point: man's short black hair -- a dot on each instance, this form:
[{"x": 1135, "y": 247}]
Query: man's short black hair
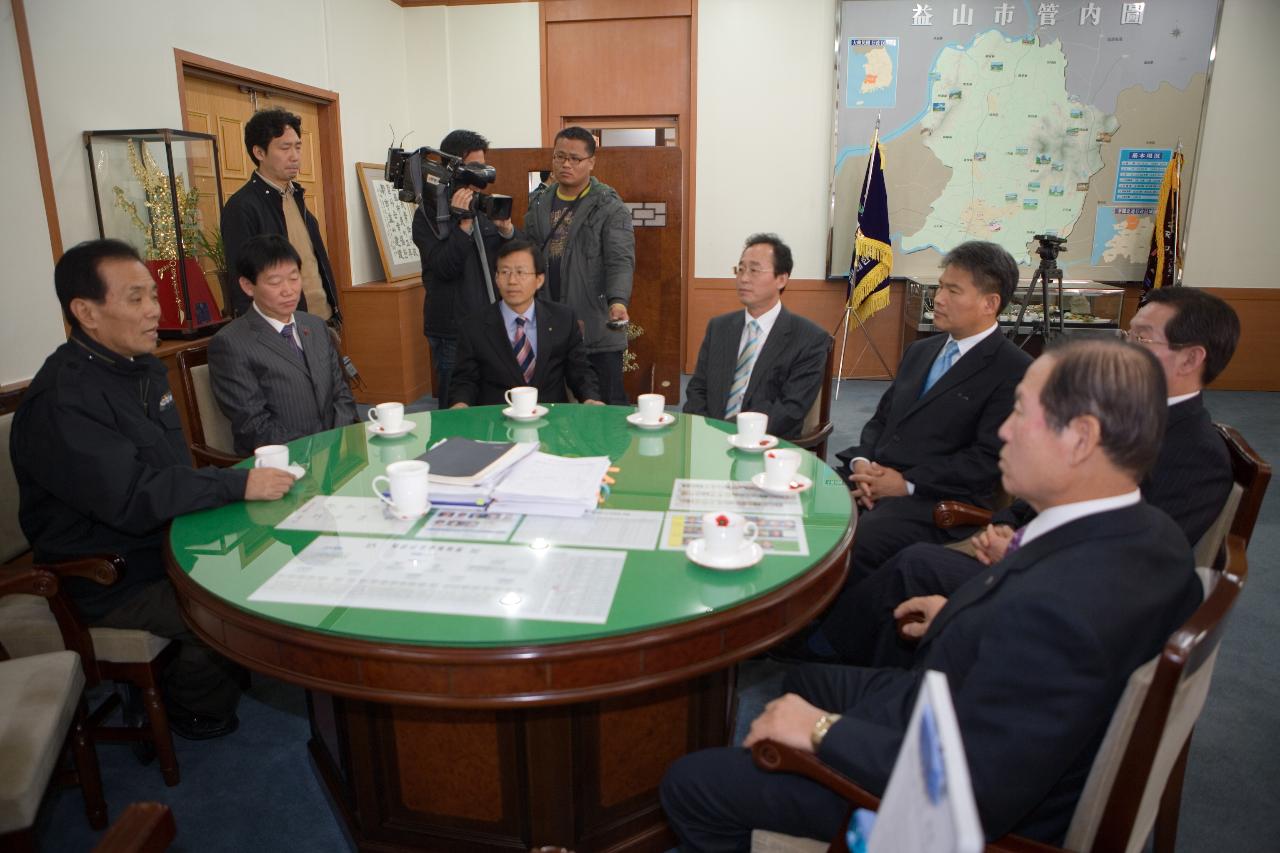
[
  {"x": 262, "y": 253},
  {"x": 581, "y": 134},
  {"x": 460, "y": 143},
  {"x": 781, "y": 251},
  {"x": 993, "y": 269},
  {"x": 1122, "y": 385},
  {"x": 1200, "y": 319},
  {"x": 266, "y": 125},
  {"x": 512, "y": 246},
  {"x": 76, "y": 274}
]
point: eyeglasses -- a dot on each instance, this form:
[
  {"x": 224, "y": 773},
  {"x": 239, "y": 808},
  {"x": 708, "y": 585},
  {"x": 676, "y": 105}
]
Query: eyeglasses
[
  {"x": 1135, "y": 338},
  {"x": 572, "y": 159},
  {"x": 504, "y": 272},
  {"x": 751, "y": 270}
]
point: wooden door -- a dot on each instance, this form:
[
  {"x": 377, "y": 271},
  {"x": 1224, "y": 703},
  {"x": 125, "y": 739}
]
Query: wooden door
[{"x": 649, "y": 179}]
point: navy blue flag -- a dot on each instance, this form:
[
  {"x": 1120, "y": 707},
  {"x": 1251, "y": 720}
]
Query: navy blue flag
[{"x": 873, "y": 249}]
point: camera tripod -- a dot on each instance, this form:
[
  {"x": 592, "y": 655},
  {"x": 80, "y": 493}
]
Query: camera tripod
[{"x": 1047, "y": 272}]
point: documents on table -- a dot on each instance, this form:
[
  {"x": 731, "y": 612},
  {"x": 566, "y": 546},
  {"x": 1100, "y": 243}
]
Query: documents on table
[
  {"x": 711, "y": 495},
  {"x": 332, "y": 514},
  {"x": 469, "y": 524},
  {"x": 776, "y": 534},
  {"x": 543, "y": 484},
  {"x": 605, "y": 528},
  {"x": 453, "y": 578}
]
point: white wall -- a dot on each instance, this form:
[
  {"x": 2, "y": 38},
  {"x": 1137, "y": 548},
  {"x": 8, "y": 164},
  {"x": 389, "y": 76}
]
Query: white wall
[
  {"x": 766, "y": 80},
  {"x": 30, "y": 322},
  {"x": 1232, "y": 233}
]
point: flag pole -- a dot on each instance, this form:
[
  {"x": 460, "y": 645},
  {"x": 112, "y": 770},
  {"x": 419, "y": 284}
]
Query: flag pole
[{"x": 1177, "y": 209}]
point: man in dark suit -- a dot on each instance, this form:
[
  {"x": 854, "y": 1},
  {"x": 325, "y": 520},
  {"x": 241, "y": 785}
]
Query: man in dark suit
[
  {"x": 521, "y": 340},
  {"x": 274, "y": 369},
  {"x": 1037, "y": 650},
  {"x": 933, "y": 436},
  {"x": 764, "y": 359},
  {"x": 1193, "y": 335}
]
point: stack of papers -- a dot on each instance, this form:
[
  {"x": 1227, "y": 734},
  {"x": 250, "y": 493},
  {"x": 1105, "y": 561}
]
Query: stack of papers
[
  {"x": 464, "y": 472},
  {"x": 543, "y": 484}
]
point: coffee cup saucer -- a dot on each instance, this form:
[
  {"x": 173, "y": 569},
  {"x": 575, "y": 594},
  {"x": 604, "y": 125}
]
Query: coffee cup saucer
[
  {"x": 538, "y": 411},
  {"x": 760, "y": 445},
  {"x": 374, "y": 428},
  {"x": 797, "y": 484},
  {"x": 748, "y": 554},
  {"x": 665, "y": 419},
  {"x": 297, "y": 471}
]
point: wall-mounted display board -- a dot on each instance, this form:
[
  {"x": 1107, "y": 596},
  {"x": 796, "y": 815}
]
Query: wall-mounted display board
[{"x": 1003, "y": 120}]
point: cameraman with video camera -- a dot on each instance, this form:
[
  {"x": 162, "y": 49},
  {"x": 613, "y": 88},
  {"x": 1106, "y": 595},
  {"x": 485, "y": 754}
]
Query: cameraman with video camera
[{"x": 453, "y": 276}]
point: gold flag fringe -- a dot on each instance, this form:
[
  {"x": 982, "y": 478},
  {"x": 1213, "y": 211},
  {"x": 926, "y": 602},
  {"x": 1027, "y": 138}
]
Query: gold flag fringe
[{"x": 864, "y": 300}]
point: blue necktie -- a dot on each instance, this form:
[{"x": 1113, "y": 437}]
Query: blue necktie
[
  {"x": 941, "y": 365},
  {"x": 287, "y": 334},
  {"x": 523, "y": 349}
]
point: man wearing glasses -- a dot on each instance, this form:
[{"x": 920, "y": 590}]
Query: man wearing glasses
[
  {"x": 521, "y": 340},
  {"x": 764, "y": 359},
  {"x": 584, "y": 230}
]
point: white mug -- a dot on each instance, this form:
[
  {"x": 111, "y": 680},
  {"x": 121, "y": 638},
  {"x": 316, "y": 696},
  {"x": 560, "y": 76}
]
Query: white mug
[
  {"x": 751, "y": 427},
  {"x": 780, "y": 466},
  {"x": 271, "y": 456},
  {"x": 725, "y": 532},
  {"x": 408, "y": 483},
  {"x": 389, "y": 416},
  {"x": 650, "y": 407},
  {"x": 522, "y": 400}
]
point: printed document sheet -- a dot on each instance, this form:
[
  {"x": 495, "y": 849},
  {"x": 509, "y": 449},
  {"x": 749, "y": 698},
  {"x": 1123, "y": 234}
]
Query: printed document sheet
[
  {"x": 329, "y": 514},
  {"x": 455, "y": 578},
  {"x": 635, "y": 530},
  {"x": 468, "y": 524},
  {"x": 781, "y": 535},
  {"x": 712, "y": 495}
]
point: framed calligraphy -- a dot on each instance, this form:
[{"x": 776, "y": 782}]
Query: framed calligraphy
[{"x": 392, "y": 221}]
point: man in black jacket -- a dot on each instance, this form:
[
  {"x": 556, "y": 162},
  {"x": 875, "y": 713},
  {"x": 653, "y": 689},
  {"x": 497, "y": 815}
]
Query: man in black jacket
[
  {"x": 271, "y": 202},
  {"x": 102, "y": 467},
  {"x": 453, "y": 276}
]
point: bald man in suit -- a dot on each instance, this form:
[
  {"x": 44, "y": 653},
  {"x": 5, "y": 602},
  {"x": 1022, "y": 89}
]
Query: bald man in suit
[{"x": 274, "y": 369}]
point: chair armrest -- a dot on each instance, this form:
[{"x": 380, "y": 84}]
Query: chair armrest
[
  {"x": 203, "y": 454},
  {"x": 28, "y": 580},
  {"x": 813, "y": 439},
  {"x": 948, "y": 514},
  {"x": 776, "y": 757},
  {"x": 143, "y": 828},
  {"x": 102, "y": 569}
]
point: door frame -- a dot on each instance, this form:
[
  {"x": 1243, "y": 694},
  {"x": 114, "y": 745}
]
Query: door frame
[{"x": 337, "y": 240}]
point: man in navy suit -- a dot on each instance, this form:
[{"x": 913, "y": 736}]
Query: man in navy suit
[
  {"x": 1193, "y": 335},
  {"x": 764, "y": 359},
  {"x": 521, "y": 340},
  {"x": 933, "y": 436},
  {"x": 274, "y": 369},
  {"x": 1037, "y": 649}
]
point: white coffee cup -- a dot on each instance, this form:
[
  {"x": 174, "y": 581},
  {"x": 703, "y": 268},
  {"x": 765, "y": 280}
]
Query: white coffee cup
[
  {"x": 408, "y": 483},
  {"x": 751, "y": 427},
  {"x": 271, "y": 456},
  {"x": 522, "y": 400},
  {"x": 389, "y": 416},
  {"x": 725, "y": 533},
  {"x": 650, "y": 407},
  {"x": 780, "y": 467}
]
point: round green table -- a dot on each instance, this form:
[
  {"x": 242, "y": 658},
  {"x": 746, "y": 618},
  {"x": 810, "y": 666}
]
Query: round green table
[{"x": 447, "y": 732}]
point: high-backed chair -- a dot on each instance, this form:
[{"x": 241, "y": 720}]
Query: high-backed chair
[
  {"x": 212, "y": 442},
  {"x": 31, "y": 625},
  {"x": 1137, "y": 770},
  {"x": 817, "y": 421},
  {"x": 42, "y": 714}
]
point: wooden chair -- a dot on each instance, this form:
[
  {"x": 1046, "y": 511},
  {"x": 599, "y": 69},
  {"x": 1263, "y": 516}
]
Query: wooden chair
[
  {"x": 1136, "y": 776},
  {"x": 143, "y": 828},
  {"x": 1239, "y": 515},
  {"x": 30, "y": 625},
  {"x": 817, "y": 421},
  {"x": 212, "y": 442},
  {"x": 42, "y": 715}
]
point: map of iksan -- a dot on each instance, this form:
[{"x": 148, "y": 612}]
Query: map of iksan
[{"x": 1003, "y": 120}]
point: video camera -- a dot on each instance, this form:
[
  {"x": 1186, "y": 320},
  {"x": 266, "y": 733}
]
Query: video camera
[
  {"x": 429, "y": 177},
  {"x": 1049, "y": 247}
]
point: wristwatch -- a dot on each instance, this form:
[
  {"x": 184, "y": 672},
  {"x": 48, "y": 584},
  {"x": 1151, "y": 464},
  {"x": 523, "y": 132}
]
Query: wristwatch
[{"x": 820, "y": 729}]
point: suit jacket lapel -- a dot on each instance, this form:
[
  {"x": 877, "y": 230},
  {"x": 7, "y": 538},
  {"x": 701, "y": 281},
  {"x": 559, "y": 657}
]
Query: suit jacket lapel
[
  {"x": 964, "y": 367},
  {"x": 545, "y": 332},
  {"x": 496, "y": 333},
  {"x": 906, "y": 389},
  {"x": 313, "y": 351},
  {"x": 273, "y": 341},
  {"x": 725, "y": 359},
  {"x": 774, "y": 346}
]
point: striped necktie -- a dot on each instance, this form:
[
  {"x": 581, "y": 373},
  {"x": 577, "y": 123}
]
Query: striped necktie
[
  {"x": 287, "y": 334},
  {"x": 742, "y": 372},
  {"x": 941, "y": 365},
  {"x": 523, "y": 350}
]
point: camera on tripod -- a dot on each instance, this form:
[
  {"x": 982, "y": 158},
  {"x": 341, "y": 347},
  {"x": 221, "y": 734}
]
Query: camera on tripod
[
  {"x": 429, "y": 177},
  {"x": 1049, "y": 246}
]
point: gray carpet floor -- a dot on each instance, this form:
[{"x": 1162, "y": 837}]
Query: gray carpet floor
[{"x": 256, "y": 790}]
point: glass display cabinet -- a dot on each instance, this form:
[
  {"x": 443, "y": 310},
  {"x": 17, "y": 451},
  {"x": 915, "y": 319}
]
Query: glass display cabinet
[
  {"x": 1091, "y": 308},
  {"x": 160, "y": 190}
]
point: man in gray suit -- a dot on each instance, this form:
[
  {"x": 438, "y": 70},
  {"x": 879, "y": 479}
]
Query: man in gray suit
[
  {"x": 764, "y": 359},
  {"x": 275, "y": 372}
]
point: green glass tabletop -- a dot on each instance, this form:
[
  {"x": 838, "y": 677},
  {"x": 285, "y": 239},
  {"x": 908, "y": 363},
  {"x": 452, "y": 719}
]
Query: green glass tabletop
[{"x": 233, "y": 550}]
